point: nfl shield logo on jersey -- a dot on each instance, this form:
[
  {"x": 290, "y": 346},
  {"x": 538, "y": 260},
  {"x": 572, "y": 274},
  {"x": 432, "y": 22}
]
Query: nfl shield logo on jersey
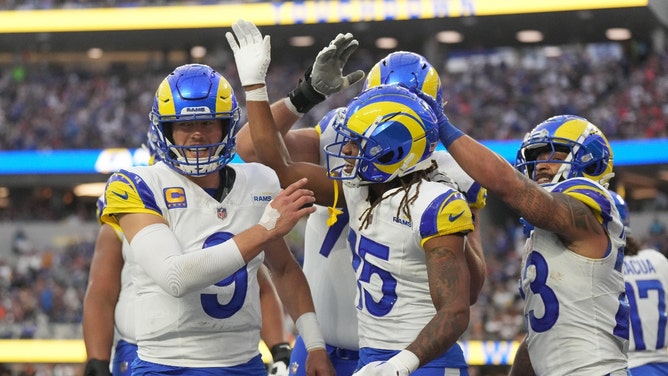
[
  {"x": 294, "y": 367},
  {"x": 222, "y": 213}
]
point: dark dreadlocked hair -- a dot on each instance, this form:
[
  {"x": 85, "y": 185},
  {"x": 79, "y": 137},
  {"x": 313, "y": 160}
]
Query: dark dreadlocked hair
[{"x": 405, "y": 182}]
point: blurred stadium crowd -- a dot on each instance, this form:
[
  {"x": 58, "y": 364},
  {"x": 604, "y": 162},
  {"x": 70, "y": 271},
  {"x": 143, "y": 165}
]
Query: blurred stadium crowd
[{"x": 48, "y": 106}]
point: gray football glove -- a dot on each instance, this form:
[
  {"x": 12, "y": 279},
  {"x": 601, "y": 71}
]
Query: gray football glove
[{"x": 327, "y": 75}]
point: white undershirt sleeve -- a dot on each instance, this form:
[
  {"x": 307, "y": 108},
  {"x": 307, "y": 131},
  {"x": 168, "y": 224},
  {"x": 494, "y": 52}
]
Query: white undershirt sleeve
[{"x": 158, "y": 252}]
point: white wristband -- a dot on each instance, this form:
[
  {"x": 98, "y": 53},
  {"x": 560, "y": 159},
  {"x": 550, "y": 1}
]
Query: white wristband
[
  {"x": 405, "y": 360},
  {"x": 309, "y": 328},
  {"x": 257, "y": 95},
  {"x": 291, "y": 107}
]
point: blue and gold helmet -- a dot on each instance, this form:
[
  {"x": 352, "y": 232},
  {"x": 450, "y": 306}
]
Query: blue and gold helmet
[
  {"x": 589, "y": 152},
  {"x": 623, "y": 210},
  {"x": 409, "y": 69},
  {"x": 193, "y": 92},
  {"x": 395, "y": 131}
]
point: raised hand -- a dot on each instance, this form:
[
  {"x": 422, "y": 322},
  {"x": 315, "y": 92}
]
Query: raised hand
[
  {"x": 327, "y": 75},
  {"x": 447, "y": 132},
  {"x": 252, "y": 53}
]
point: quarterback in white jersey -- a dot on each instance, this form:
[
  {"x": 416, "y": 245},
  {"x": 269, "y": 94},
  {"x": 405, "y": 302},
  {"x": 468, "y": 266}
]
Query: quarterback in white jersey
[
  {"x": 646, "y": 279},
  {"x": 202, "y": 313},
  {"x": 198, "y": 228},
  {"x": 576, "y": 309}
]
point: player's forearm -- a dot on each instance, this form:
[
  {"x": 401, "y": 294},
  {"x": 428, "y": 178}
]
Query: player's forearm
[
  {"x": 284, "y": 120},
  {"x": 179, "y": 272},
  {"x": 273, "y": 327},
  {"x": 296, "y": 295},
  {"x": 441, "y": 333},
  {"x": 293, "y": 290},
  {"x": 477, "y": 269},
  {"x": 475, "y": 259},
  {"x": 98, "y": 327},
  {"x": 270, "y": 149},
  {"x": 484, "y": 166}
]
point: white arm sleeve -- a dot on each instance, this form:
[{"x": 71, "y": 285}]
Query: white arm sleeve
[{"x": 157, "y": 250}]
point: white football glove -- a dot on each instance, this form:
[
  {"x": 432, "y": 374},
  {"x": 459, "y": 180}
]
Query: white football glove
[
  {"x": 278, "y": 369},
  {"x": 252, "y": 54},
  {"x": 327, "y": 75},
  {"x": 401, "y": 364},
  {"x": 379, "y": 368}
]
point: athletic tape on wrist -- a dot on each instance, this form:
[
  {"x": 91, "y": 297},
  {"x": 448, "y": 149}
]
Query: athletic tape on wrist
[
  {"x": 304, "y": 97},
  {"x": 309, "y": 328},
  {"x": 257, "y": 95},
  {"x": 269, "y": 217},
  {"x": 291, "y": 107}
]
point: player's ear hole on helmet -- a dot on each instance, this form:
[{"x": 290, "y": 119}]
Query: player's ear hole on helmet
[
  {"x": 595, "y": 168},
  {"x": 167, "y": 130},
  {"x": 386, "y": 158},
  {"x": 392, "y": 156}
]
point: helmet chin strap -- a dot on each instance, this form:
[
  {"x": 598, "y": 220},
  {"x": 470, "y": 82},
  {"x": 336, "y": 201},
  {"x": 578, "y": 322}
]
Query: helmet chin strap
[{"x": 605, "y": 179}]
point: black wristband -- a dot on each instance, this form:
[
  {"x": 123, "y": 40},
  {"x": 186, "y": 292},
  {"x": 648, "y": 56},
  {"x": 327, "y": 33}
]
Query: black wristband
[
  {"x": 304, "y": 97},
  {"x": 281, "y": 352},
  {"x": 97, "y": 367}
]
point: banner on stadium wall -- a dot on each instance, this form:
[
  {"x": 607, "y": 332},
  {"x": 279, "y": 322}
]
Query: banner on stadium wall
[
  {"x": 627, "y": 153},
  {"x": 276, "y": 13},
  {"x": 477, "y": 353}
]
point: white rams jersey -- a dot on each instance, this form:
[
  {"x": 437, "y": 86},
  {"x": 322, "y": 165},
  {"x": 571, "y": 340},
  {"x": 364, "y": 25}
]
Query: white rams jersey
[
  {"x": 646, "y": 277},
  {"x": 219, "y": 325},
  {"x": 575, "y": 307},
  {"x": 328, "y": 267},
  {"x": 124, "y": 320},
  {"x": 327, "y": 257},
  {"x": 393, "y": 299}
]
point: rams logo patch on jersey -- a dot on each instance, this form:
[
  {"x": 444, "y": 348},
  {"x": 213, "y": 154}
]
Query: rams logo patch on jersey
[
  {"x": 175, "y": 198},
  {"x": 261, "y": 198}
]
